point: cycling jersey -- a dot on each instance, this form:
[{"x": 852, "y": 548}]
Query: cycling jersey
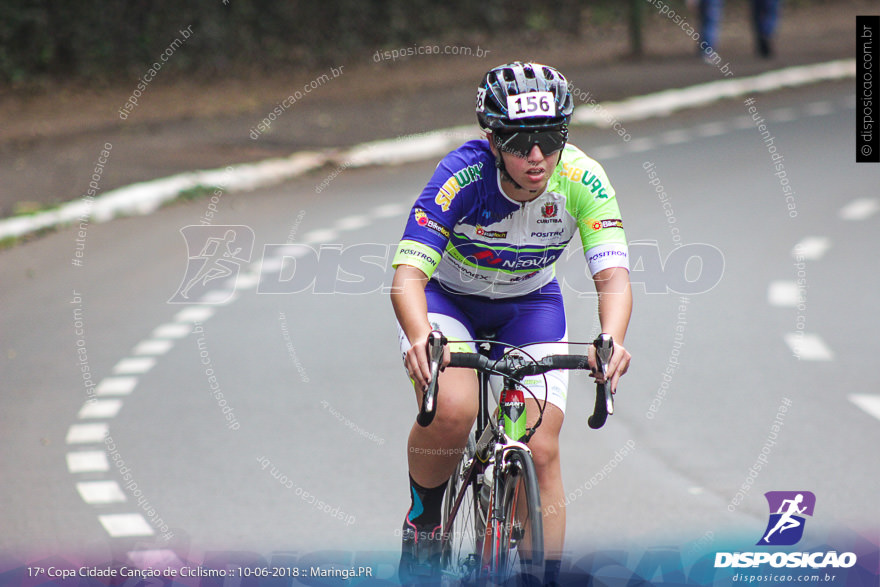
[{"x": 467, "y": 234}]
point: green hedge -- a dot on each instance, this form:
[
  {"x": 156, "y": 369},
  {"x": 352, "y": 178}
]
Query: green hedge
[{"x": 106, "y": 38}]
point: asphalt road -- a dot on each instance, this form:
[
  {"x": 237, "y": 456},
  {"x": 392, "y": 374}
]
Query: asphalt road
[{"x": 309, "y": 453}]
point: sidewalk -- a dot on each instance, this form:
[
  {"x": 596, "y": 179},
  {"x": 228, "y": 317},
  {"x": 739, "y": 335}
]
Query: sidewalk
[{"x": 52, "y": 143}]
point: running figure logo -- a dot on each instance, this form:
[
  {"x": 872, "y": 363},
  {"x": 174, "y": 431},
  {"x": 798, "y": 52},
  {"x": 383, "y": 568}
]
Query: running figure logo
[
  {"x": 221, "y": 252},
  {"x": 786, "y": 525}
]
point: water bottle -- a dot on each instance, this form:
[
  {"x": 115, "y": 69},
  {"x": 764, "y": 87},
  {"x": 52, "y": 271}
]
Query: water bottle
[
  {"x": 513, "y": 413},
  {"x": 486, "y": 489}
]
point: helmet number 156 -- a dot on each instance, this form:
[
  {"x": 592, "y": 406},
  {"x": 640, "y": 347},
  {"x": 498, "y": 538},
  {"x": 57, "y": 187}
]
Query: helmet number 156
[{"x": 531, "y": 104}]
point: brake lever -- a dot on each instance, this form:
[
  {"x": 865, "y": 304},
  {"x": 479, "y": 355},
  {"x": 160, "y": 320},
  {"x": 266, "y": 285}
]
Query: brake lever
[
  {"x": 604, "y": 350},
  {"x": 604, "y": 406},
  {"x": 436, "y": 342}
]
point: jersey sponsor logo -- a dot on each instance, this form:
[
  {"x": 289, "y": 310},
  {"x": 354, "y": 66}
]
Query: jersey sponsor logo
[
  {"x": 604, "y": 254},
  {"x": 488, "y": 258},
  {"x": 550, "y": 234},
  {"x": 586, "y": 178},
  {"x": 490, "y": 233},
  {"x": 460, "y": 179},
  {"x": 423, "y": 220},
  {"x": 470, "y": 274},
  {"x": 492, "y": 259},
  {"x": 549, "y": 221},
  {"x": 408, "y": 252},
  {"x": 519, "y": 278},
  {"x": 549, "y": 210},
  {"x": 607, "y": 223}
]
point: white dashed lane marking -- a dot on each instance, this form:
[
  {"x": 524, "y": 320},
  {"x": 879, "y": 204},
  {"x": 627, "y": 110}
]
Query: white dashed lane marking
[
  {"x": 116, "y": 385},
  {"x": 87, "y": 461},
  {"x": 812, "y": 248},
  {"x": 125, "y": 525},
  {"x": 172, "y": 331},
  {"x": 321, "y": 236},
  {"x": 860, "y": 209},
  {"x": 782, "y": 115},
  {"x": 135, "y": 365},
  {"x": 352, "y": 223},
  {"x": 783, "y": 293},
  {"x": 105, "y": 408},
  {"x": 869, "y": 403},
  {"x": 100, "y": 492},
  {"x": 194, "y": 314},
  {"x": 819, "y": 108},
  {"x": 808, "y": 347},
  {"x": 153, "y": 347},
  {"x": 86, "y": 433}
]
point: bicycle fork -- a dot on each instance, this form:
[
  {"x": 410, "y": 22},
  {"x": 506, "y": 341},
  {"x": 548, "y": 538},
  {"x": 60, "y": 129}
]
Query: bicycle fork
[{"x": 496, "y": 545}]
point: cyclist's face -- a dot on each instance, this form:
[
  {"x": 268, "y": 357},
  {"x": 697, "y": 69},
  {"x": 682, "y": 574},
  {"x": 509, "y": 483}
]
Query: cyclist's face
[{"x": 531, "y": 172}]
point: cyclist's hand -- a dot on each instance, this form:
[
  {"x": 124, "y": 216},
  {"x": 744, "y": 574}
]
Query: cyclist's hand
[
  {"x": 418, "y": 362},
  {"x": 618, "y": 365}
]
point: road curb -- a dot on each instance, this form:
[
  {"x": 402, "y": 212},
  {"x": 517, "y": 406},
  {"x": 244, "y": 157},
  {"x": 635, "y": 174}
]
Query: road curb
[{"x": 146, "y": 197}]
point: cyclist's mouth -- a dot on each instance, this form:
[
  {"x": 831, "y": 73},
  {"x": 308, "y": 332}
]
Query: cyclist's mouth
[{"x": 535, "y": 174}]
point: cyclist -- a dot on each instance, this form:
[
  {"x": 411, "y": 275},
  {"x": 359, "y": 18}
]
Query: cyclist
[{"x": 477, "y": 255}]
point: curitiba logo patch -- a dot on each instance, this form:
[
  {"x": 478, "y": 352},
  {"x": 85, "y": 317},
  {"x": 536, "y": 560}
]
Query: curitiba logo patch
[
  {"x": 454, "y": 184},
  {"x": 787, "y": 511}
]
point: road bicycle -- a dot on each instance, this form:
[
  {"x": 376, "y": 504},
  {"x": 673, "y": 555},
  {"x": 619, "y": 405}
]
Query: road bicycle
[{"x": 492, "y": 526}]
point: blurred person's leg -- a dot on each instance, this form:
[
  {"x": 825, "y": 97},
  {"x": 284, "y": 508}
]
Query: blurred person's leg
[
  {"x": 765, "y": 14},
  {"x": 710, "y": 22}
]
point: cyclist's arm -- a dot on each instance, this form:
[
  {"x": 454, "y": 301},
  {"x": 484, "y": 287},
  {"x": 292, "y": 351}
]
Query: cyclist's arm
[
  {"x": 615, "y": 308},
  {"x": 411, "y": 309}
]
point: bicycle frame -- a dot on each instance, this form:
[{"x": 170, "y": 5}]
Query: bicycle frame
[
  {"x": 500, "y": 528},
  {"x": 491, "y": 445}
]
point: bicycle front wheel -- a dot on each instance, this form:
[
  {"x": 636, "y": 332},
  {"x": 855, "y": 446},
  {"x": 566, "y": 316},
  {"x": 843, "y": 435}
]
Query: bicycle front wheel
[
  {"x": 463, "y": 522},
  {"x": 518, "y": 537}
]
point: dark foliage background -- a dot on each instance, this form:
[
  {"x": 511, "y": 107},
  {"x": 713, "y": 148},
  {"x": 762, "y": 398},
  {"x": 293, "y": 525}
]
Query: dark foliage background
[{"x": 95, "y": 39}]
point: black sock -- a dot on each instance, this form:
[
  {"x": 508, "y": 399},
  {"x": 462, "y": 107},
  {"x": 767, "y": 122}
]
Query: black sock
[
  {"x": 426, "y": 504},
  {"x": 551, "y": 571}
]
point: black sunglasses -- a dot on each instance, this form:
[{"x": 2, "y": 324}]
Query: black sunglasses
[{"x": 521, "y": 143}]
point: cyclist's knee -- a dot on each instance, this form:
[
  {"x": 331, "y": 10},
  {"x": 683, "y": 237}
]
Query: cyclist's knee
[
  {"x": 455, "y": 414},
  {"x": 457, "y": 404},
  {"x": 545, "y": 453}
]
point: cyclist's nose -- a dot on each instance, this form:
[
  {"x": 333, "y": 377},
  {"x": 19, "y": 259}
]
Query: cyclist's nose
[{"x": 536, "y": 154}]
